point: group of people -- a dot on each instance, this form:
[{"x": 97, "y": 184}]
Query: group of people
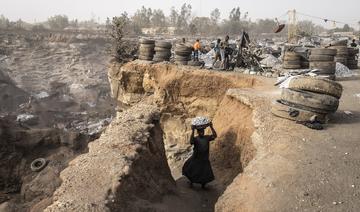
[{"x": 222, "y": 52}]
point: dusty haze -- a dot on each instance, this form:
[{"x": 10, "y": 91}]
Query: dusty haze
[{"x": 39, "y": 10}]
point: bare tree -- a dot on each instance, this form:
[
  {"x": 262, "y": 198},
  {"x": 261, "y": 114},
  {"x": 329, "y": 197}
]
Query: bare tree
[
  {"x": 174, "y": 15},
  {"x": 203, "y": 25},
  {"x": 58, "y": 22},
  {"x": 4, "y": 22},
  {"x": 215, "y": 16},
  {"x": 142, "y": 17},
  {"x": 235, "y": 15},
  {"x": 158, "y": 18}
]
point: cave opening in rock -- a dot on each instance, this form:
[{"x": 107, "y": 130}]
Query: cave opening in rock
[
  {"x": 182, "y": 93},
  {"x": 230, "y": 153}
]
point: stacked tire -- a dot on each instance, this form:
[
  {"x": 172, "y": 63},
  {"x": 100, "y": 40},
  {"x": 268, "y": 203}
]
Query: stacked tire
[
  {"x": 308, "y": 99},
  {"x": 182, "y": 54},
  {"x": 292, "y": 60},
  {"x": 342, "y": 52},
  {"x": 322, "y": 59},
  {"x": 146, "y": 50},
  {"x": 162, "y": 51},
  {"x": 352, "y": 61}
]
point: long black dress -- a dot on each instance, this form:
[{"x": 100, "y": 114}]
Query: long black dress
[{"x": 198, "y": 168}]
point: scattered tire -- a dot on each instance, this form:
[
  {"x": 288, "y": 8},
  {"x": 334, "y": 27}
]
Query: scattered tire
[
  {"x": 163, "y": 44},
  {"x": 282, "y": 110},
  {"x": 353, "y": 51},
  {"x": 146, "y": 52},
  {"x": 38, "y": 164},
  {"x": 352, "y": 57},
  {"x": 325, "y": 71},
  {"x": 315, "y": 102},
  {"x": 324, "y": 58},
  {"x": 182, "y": 58},
  {"x": 146, "y": 41},
  {"x": 181, "y": 62},
  {"x": 183, "y": 53},
  {"x": 183, "y": 48},
  {"x": 321, "y": 86},
  {"x": 160, "y": 59},
  {"x": 340, "y": 49},
  {"x": 352, "y": 67},
  {"x": 142, "y": 57},
  {"x": 339, "y": 43},
  {"x": 352, "y": 62},
  {"x": 323, "y": 65},
  {"x": 163, "y": 54},
  {"x": 292, "y": 54},
  {"x": 291, "y": 66},
  {"x": 323, "y": 51},
  {"x": 291, "y": 62},
  {"x": 147, "y": 46},
  {"x": 160, "y": 49},
  {"x": 292, "y": 58},
  {"x": 304, "y": 64},
  {"x": 341, "y": 60}
]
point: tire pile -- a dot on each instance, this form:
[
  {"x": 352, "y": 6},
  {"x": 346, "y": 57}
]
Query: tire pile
[
  {"x": 146, "y": 50},
  {"x": 182, "y": 54},
  {"x": 292, "y": 60},
  {"x": 352, "y": 60},
  {"x": 308, "y": 100},
  {"x": 342, "y": 52},
  {"x": 162, "y": 51},
  {"x": 322, "y": 59}
]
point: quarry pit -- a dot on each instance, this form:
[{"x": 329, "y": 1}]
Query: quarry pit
[{"x": 135, "y": 164}]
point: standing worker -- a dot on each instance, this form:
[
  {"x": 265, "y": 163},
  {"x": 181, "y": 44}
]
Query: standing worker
[
  {"x": 225, "y": 53},
  {"x": 353, "y": 44},
  {"x": 183, "y": 41},
  {"x": 217, "y": 52},
  {"x": 198, "y": 168},
  {"x": 197, "y": 47}
]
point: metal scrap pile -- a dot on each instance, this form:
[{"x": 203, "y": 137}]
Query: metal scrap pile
[{"x": 248, "y": 58}]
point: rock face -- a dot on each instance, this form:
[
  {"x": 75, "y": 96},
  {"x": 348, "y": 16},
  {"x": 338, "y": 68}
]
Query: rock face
[
  {"x": 126, "y": 169},
  {"x": 126, "y": 165},
  {"x": 182, "y": 93}
]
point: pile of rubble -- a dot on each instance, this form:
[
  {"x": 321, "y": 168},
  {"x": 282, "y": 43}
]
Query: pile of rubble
[{"x": 265, "y": 59}]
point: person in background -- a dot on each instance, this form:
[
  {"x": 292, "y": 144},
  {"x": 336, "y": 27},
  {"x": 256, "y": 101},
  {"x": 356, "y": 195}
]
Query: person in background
[
  {"x": 217, "y": 52},
  {"x": 225, "y": 53},
  {"x": 353, "y": 44},
  {"x": 197, "y": 48},
  {"x": 183, "y": 40}
]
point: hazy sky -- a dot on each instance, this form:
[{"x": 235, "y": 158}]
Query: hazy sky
[{"x": 30, "y": 10}]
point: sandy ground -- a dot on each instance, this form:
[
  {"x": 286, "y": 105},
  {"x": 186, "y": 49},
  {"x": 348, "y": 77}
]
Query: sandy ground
[
  {"x": 299, "y": 169},
  {"x": 295, "y": 168}
]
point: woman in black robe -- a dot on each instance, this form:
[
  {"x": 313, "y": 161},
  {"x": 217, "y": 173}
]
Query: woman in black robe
[{"x": 198, "y": 168}]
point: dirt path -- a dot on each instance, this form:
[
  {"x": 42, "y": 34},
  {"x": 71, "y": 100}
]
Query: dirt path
[{"x": 193, "y": 199}]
